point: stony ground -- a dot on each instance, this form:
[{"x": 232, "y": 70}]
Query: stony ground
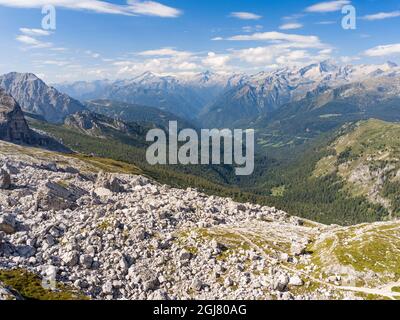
[{"x": 123, "y": 236}]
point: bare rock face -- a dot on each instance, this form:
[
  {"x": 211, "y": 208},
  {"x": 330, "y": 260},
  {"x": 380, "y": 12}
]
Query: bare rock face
[
  {"x": 8, "y": 224},
  {"x": 13, "y": 126},
  {"x": 34, "y": 96},
  {"x": 53, "y": 196}
]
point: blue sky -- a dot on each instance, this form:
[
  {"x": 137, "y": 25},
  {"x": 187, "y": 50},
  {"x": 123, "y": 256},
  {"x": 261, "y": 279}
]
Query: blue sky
[{"x": 97, "y": 39}]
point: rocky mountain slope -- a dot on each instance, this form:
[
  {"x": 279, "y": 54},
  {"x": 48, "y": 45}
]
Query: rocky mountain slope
[
  {"x": 366, "y": 156},
  {"x": 34, "y": 96},
  {"x": 147, "y": 116},
  {"x": 122, "y": 236},
  {"x": 96, "y": 125},
  {"x": 13, "y": 126},
  {"x": 329, "y": 108}
]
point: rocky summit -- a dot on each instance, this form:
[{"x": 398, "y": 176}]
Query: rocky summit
[
  {"x": 108, "y": 235},
  {"x": 36, "y": 97},
  {"x": 13, "y": 126}
]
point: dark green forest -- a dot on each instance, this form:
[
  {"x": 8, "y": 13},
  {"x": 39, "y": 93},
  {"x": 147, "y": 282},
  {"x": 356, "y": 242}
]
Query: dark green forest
[{"x": 282, "y": 178}]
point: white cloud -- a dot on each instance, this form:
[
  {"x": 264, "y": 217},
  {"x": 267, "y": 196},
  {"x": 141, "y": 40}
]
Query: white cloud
[
  {"x": 133, "y": 7},
  {"x": 35, "y": 32},
  {"x": 165, "y": 52},
  {"x": 258, "y": 56},
  {"x": 217, "y": 39},
  {"x": 161, "y": 61},
  {"x": 277, "y": 55},
  {"x": 382, "y": 15},
  {"x": 27, "y": 40},
  {"x": 216, "y": 61},
  {"x": 245, "y": 15},
  {"x": 326, "y": 51},
  {"x": 291, "y": 26},
  {"x": 283, "y": 38},
  {"x": 151, "y": 8},
  {"x": 328, "y": 6},
  {"x": 32, "y": 42},
  {"x": 383, "y": 50}
]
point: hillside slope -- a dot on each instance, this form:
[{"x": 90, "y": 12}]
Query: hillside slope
[{"x": 366, "y": 156}]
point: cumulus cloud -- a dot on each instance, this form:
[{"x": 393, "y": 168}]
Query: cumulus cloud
[
  {"x": 245, "y": 15},
  {"x": 382, "y": 16},
  {"x": 383, "y": 50},
  {"x": 277, "y": 55},
  {"x": 291, "y": 26},
  {"x": 328, "y": 6},
  {"x": 162, "y": 61},
  {"x": 216, "y": 61},
  {"x": 133, "y": 7},
  {"x": 283, "y": 49}
]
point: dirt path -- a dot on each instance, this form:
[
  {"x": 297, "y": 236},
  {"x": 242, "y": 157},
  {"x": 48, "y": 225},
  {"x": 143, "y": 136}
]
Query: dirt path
[{"x": 385, "y": 291}]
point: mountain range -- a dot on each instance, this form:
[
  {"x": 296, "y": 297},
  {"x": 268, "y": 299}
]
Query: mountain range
[
  {"x": 229, "y": 100},
  {"x": 212, "y": 99},
  {"x": 183, "y": 97}
]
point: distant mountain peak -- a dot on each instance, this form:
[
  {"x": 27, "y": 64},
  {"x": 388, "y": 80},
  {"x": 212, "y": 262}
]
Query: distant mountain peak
[
  {"x": 148, "y": 75},
  {"x": 328, "y": 65},
  {"x": 392, "y": 64},
  {"x": 35, "y": 96},
  {"x": 325, "y": 66}
]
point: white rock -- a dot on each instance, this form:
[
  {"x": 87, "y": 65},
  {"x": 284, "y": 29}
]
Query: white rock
[
  {"x": 71, "y": 259},
  {"x": 295, "y": 281},
  {"x": 281, "y": 282},
  {"x": 103, "y": 192}
]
